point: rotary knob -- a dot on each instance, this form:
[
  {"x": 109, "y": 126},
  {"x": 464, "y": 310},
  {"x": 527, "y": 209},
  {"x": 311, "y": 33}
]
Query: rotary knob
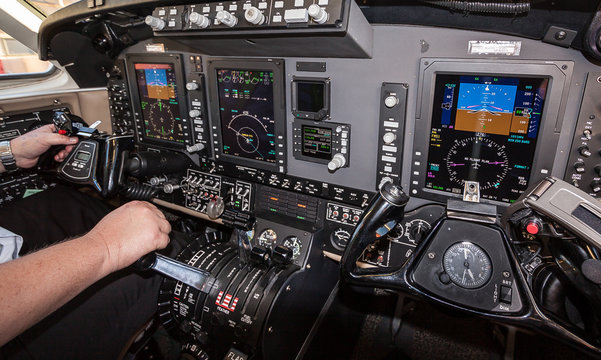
[
  {"x": 418, "y": 230},
  {"x": 587, "y": 134},
  {"x": 318, "y": 14},
  {"x": 254, "y": 16},
  {"x": 194, "y": 113},
  {"x": 225, "y": 18},
  {"x": 191, "y": 86},
  {"x": 337, "y": 162},
  {"x": 215, "y": 208},
  {"x": 584, "y": 151},
  {"x": 390, "y": 101},
  {"x": 155, "y": 23},
  {"x": 389, "y": 138},
  {"x": 199, "y": 20},
  {"x": 579, "y": 167},
  {"x": 596, "y": 186}
]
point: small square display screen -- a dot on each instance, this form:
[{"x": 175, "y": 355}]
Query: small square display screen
[{"x": 317, "y": 142}]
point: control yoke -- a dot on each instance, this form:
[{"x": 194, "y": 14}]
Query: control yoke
[
  {"x": 98, "y": 158},
  {"x": 388, "y": 204}
]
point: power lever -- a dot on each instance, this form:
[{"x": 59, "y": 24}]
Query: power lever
[{"x": 167, "y": 266}]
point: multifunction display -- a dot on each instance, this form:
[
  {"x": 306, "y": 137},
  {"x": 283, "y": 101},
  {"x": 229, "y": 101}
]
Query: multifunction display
[
  {"x": 159, "y": 102},
  {"x": 317, "y": 142},
  {"x": 484, "y": 129},
  {"x": 246, "y": 109}
]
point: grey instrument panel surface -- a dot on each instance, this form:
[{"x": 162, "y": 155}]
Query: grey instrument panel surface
[{"x": 356, "y": 85}]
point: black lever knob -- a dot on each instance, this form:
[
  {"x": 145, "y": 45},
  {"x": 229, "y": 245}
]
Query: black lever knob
[
  {"x": 260, "y": 255},
  {"x": 282, "y": 255}
]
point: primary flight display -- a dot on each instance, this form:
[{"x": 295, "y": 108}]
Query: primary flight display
[
  {"x": 159, "y": 102},
  {"x": 485, "y": 129}
]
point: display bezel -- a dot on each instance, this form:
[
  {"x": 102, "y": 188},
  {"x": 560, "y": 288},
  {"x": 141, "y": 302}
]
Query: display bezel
[
  {"x": 279, "y": 109},
  {"x": 559, "y": 74},
  {"x": 324, "y": 112},
  {"x": 174, "y": 60}
]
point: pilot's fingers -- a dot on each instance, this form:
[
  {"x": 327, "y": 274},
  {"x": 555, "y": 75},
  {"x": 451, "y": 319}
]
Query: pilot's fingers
[
  {"x": 62, "y": 155},
  {"x": 164, "y": 226},
  {"x": 57, "y": 139},
  {"x": 49, "y": 128}
]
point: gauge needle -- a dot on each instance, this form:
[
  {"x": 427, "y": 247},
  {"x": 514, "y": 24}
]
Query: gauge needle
[
  {"x": 463, "y": 278},
  {"x": 465, "y": 253},
  {"x": 471, "y": 274}
]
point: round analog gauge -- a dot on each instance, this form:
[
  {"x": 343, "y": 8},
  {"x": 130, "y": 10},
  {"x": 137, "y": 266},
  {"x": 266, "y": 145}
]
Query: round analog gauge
[
  {"x": 477, "y": 159},
  {"x": 293, "y": 243},
  {"x": 467, "y": 265},
  {"x": 267, "y": 238},
  {"x": 340, "y": 238},
  {"x": 396, "y": 233},
  {"x": 417, "y": 229}
]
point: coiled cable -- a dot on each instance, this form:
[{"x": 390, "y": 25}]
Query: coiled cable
[
  {"x": 482, "y": 7},
  {"x": 136, "y": 191}
]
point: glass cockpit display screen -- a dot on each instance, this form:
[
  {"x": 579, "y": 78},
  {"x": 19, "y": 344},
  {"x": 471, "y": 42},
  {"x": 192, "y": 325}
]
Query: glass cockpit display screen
[
  {"x": 484, "y": 129},
  {"x": 157, "y": 86},
  {"x": 246, "y": 109},
  {"x": 317, "y": 142}
]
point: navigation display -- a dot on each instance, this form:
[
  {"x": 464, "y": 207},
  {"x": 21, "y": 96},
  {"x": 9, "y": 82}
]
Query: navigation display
[
  {"x": 246, "y": 110},
  {"x": 317, "y": 142},
  {"x": 157, "y": 87},
  {"x": 484, "y": 128}
]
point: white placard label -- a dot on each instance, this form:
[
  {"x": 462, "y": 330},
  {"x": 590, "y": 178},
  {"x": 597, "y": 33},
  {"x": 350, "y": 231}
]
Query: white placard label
[
  {"x": 155, "y": 48},
  {"x": 492, "y": 47}
]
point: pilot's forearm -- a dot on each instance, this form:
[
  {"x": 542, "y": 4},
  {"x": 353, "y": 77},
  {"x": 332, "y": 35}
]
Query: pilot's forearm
[{"x": 34, "y": 286}]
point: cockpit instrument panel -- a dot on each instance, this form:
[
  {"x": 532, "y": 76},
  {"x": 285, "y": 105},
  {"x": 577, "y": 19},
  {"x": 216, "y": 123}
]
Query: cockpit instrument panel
[
  {"x": 159, "y": 100},
  {"x": 485, "y": 129},
  {"x": 482, "y": 122},
  {"x": 247, "y": 103}
]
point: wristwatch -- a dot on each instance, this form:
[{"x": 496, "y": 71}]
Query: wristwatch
[{"x": 6, "y": 156}]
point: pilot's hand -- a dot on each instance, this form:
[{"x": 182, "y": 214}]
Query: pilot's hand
[
  {"x": 28, "y": 147},
  {"x": 131, "y": 231}
]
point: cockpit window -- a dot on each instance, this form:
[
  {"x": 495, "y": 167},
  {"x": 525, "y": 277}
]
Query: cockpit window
[
  {"x": 17, "y": 59},
  {"x": 47, "y": 7}
]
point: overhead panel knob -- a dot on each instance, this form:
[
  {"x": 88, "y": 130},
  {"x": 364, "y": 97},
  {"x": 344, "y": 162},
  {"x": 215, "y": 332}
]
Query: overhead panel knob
[
  {"x": 318, "y": 14},
  {"x": 584, "y": 151},
  {"x": 225, "y": 18},
  {"x": 199, "y": 20},
  {"x": 579, "y": 167},
  {"x": 194, "y": 113},
  {"x": 337, "y": 162},
  {"x": 254, "y": 16},
  {"x": 155, "y": 23},
  {"x": 596, "y": 186}
]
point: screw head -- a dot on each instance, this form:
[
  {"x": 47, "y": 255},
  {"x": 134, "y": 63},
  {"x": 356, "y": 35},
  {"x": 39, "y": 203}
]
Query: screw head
[
  {"x": 431, "y": 255},
  {"x": 561, "y": 35}
]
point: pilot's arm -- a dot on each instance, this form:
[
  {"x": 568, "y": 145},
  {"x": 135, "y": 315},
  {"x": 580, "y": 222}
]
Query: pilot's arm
[
  {"x": 37, "y": 284},
  {"x": 27, "y": 148}
]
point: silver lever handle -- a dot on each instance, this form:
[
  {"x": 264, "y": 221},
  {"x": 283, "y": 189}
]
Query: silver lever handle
[{"x": 174, "y": 269}]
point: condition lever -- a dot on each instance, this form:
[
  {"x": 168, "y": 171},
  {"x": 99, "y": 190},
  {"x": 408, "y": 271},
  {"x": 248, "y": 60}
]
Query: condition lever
[{"x": 174, "y": 269}]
